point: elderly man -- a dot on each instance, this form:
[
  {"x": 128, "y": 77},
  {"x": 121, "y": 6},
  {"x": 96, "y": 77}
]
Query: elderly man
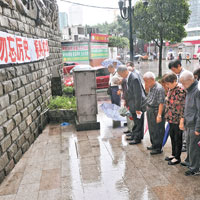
[
  {"x": 135, "y": 100},
  {"x": 155, "y": 115},
  {"x": 176, "y": 67},
  {"x": 192, "y": 122}
]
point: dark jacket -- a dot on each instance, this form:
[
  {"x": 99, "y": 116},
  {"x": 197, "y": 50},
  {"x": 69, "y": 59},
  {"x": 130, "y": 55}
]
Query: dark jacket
[
  {"x": 135, "y": 94},
  {"x": 192, "y": 107}
]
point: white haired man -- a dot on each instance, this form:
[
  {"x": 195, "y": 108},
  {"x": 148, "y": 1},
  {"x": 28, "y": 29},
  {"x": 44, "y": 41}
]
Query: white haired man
[
  {"x": 192, "y": 122},
  {"x": 135, "y": 99},
  {"x": 155, "y": 115}
]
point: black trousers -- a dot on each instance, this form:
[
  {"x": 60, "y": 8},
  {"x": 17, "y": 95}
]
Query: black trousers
[
  {"x": 138, "y": 127},
  {"x": 176, "y": 139}
]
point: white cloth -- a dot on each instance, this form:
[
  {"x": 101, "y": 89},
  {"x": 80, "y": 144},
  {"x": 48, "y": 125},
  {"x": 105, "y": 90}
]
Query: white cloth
[{"x": 113, "y": 77}]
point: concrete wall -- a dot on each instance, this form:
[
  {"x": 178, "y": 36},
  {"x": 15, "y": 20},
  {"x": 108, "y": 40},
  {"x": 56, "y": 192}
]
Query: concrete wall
[{"x": 25, "y": 89}]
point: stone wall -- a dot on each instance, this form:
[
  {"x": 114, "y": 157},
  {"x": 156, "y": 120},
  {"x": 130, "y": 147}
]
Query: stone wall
[{"x": 25, "y": 89}]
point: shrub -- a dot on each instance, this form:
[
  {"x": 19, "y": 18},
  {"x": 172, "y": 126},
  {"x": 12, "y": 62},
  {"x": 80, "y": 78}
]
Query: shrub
[
  {"x": 61, "y": 102},
  {"x": 67, "y": 90}
]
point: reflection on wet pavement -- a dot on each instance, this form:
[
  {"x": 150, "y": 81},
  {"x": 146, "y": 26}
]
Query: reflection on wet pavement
[{"x": 64, "y": 164}]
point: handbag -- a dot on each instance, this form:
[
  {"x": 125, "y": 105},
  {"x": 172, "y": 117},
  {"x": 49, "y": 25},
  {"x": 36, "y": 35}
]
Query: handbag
[{"x": 109, "y": 90}]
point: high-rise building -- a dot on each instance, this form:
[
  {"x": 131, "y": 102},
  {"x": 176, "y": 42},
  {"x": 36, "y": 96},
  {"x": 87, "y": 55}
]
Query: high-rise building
[
  {"x": 63, "y": 20},
  {"x": 75, "y": 15}
]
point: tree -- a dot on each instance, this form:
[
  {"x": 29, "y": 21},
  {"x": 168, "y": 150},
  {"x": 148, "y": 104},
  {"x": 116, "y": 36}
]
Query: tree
[
  {"x": 119, "y": 42},
  {"x": 161, "y": 20}
]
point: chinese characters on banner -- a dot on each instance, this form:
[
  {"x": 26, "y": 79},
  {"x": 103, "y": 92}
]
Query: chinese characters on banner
[{"x": 16, "y": 49}]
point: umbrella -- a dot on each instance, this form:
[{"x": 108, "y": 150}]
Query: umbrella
[
  {"x": 137, "y": 56},
  {"x": 112, "y": 111},
  {"x": 166, "y": 135},
  {"x": 108, "y": 62}
]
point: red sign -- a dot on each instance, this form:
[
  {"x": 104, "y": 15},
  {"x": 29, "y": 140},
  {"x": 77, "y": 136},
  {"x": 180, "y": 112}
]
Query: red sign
[
  {"x": 16, "y": 49},
  {"x": 99, "y": 38}
]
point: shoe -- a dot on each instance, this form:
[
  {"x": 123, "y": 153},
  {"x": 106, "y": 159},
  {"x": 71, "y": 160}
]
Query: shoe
[
  {"x": 184, "y": 164},
  {"x": 129, "y": 139},
  {"x": 174, "y": 163},
  {"x": 183, "y": 149},
  {"x": 154, "y": 152},
  {"x": 192, "y": 173},
  {"x": 169, "y": 158},
  {"x": 129, "y": 134},
  {"x": 135, "y": 142},
  {"x": 150, "y": 148},
  {"x": 126, "y": 131}
]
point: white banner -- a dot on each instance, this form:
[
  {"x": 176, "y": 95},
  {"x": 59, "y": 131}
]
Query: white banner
[{"x": 16, "y": 49}]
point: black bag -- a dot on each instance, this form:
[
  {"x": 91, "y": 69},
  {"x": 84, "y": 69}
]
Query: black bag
[{"x": 109, "y": 90}]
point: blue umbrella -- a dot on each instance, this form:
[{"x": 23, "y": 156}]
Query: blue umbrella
[
  {"x": 108, "y": 62},
  {"x": 166, "y": 135}
]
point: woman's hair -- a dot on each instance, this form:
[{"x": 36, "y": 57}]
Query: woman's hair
[
  {"x": 197, "y": 73},
  {"x": 170, "y": 78}
]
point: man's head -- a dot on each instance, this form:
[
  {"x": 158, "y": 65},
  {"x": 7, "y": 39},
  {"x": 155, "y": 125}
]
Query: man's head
[
  {"x": 187, "y": 79},
  {"x": 130, "y": 64},
  {"x": 115, "y": 64},
  {"x": 197, "y": 74},
  {"x": 149, "y": 79},
  {"x": 175, "y": 66},
  {"x": 111, "y": 69},
  {"x": 123, "y": 71}
]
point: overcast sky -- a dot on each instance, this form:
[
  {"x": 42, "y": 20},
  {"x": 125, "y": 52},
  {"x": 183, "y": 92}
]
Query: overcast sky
[{"x": 93, "y": 16}]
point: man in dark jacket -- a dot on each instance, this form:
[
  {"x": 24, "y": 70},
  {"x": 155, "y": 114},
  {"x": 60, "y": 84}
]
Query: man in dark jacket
[
  {"x": 192, "y": 122},
  {"x": 135, "y": 99}
]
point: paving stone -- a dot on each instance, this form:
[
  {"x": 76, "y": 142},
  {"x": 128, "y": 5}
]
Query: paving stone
[
  {"x": 1, "y": 133},
  {"x": 23, "y": 80},
  {"x": 12, "y": 150},
  {"x": 8, "y": 86},
  {"x": 24, "y": 113},
  {"x": 15, "y": 134},
  {"x": 28, "y": 89},
  {"x": 20, "y": 141},
  {"x": 5, "y": 143},
  {"x": 26, "y": 101},
  {"x": 8, "y": 126},
  {"x": 9, "y": 167},
  {"x": 17, "y": 118},
  {"x": 16, "y": 83},
  {"x": 21, "y": 26},
  {"x": 13, "y": 24},
  {"x": 21, "y": 92},
  {"x": 7, "y": 12},
  {"x": 1, "y": 89},
  {"x": 4, "y": 101},
  {"x": 29, "y": 120},
  {"x": 2, "y": 175},
  {"x": 25, "y": 147},
  {"x": 19, "y": 105},
  {"x": 30, "y": 108},
  {"x": 3, "y": 161},
  {"x": 13, "y": 97},
  {"x": 3, "y": 116},
  {"x": 4, "y": 22},
  {"x": 22, "y": 126},
  {"x": 11, "y": 111},
  {"x": 32, "y": 96},
  {"x": 17, "y": 156}
]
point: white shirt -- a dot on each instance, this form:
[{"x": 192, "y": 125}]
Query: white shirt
[{"x": 113, "y": 78}]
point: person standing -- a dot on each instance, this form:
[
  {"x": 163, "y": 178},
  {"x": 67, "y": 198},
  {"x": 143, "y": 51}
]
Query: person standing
[
  {"x": 177, "y": 68},
  {"x": 135, "y": 100},
  {"x": 192, "y": 122},
  {"x": 114, "y": 85},
  {"x": 188, "y": 59},
  {"x": 174, "y": 114},
  {"x": 155, "y": 112}
]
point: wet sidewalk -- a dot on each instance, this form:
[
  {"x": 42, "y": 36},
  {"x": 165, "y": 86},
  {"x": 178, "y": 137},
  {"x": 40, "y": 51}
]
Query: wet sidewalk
[{"x": 64, "y": 164}]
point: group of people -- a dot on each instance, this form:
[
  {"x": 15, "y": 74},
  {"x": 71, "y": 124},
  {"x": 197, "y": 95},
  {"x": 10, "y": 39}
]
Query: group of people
[{"x": 175, "y": 100}]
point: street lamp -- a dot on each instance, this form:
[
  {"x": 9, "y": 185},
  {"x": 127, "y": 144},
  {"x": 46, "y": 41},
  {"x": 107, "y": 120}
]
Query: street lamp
[{"x": 127, "y": 14}]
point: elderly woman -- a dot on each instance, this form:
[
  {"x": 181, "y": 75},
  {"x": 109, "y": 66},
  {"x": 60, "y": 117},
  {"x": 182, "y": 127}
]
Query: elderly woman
[{"x": 174, "y": 111}]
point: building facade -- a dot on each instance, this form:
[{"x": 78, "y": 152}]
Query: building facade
[{"x": 63, "y": 20}]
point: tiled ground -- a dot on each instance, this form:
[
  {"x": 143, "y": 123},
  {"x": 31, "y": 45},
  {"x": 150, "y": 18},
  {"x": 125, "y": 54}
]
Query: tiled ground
[{"x": 64, "y": 164}]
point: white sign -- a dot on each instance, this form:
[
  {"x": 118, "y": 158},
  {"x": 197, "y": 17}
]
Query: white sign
[{"x": 16, "y": 49}]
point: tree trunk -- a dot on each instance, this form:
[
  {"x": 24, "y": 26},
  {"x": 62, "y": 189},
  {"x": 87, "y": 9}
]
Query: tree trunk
[{"x": 160, "y": 58}]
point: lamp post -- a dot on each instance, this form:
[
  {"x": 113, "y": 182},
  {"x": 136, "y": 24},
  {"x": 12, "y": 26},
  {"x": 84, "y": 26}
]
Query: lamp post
[{"x": 127, "y": 14}]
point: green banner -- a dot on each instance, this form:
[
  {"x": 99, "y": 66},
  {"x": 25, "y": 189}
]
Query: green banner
[
  {"x": 75, "y": 52},
  {"x": 99, "y": 50}
]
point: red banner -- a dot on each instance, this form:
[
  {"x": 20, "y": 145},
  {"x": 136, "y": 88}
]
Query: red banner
[
  {"x": 16, "y": 49},
  {"x": 99, "y": 37}
]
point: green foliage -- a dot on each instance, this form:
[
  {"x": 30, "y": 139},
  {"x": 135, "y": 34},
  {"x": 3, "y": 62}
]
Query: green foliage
[
  {"x": 120, "y": 42},
  {"x": 161, "y": 20},
  {"x": 60, "y": 102},
  {"x": 67, "y": 90}
]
